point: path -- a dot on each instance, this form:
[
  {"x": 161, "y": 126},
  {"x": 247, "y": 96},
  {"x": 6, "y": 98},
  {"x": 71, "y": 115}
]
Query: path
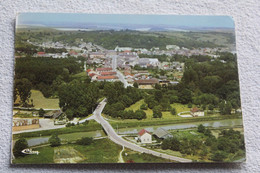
[
  {"x": 186, "y": 115},
  {"x": 120, "y": 157}
]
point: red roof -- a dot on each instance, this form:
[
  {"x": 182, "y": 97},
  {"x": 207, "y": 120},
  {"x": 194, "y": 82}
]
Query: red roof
[
  {"x": 107, "y": 77},
  {"x": 72, "y": 52},
  {"x": 104, "y": 69},
  {"x": 92, "y": 74},
  {"x": 88, "y": 70},
  {"x": 143, "y": 131},
  {"x": 147, "y": 81},
  {"x": 195, "y": 109},
  {"x": 41, "y": 53},
  {"x": 108, "y": 73}
]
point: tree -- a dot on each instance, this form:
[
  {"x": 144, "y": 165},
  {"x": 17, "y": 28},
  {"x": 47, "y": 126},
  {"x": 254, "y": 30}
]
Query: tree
[
  {"x": 157, "y": 86},
  {"x": 219, "y": 156},
  {"x": 157, "y": 112},
  {"x": 171, "y": 143},
  {"x": 140, "y": 114},
  {"x": 225, "y": 107},
  {"x": 84, "y": 141},
  {"x": 204, "y": 152},
  {"x": 201, "y": 128},
  {"x": 69, "y": 114},
  {"x": 41, "y": 112},
  {"x": 143, "y": 107},
  {"x": 165, "y": 104},
  {"x": 54, "y": 140},
  {"x": 185, "y": 96},
  {"x": 136, "y": 85},
  {"x": 207, "y": 132},
  {"x": 189, "y": 105},
  {"x": 211, "y": 107},
  {"x": 173, "y": 111},
  {"x": 23, "y": 88},
  {"x": 19, "y": 146}
]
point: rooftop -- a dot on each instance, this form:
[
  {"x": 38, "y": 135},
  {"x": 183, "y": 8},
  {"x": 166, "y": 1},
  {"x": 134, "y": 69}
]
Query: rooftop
[{"x": 143, "y": 131}]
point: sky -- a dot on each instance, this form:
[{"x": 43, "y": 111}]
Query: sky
[{"x": 61, "y": 19}]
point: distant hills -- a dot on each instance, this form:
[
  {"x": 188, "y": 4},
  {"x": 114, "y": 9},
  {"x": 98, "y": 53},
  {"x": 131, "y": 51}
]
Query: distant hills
[{"x": 137, "y": 27}]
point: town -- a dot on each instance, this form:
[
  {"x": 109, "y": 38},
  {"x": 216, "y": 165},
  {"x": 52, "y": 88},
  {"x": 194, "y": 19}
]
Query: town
[{"x": 82, "y": 97}]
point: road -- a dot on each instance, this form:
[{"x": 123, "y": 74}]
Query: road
[
  {"x": 119, "y": 74},
  {"x": 119, "y": 140},
  {"x": 122, "y": 79}
]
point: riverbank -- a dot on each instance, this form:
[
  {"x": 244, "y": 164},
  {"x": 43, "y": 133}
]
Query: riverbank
[{"x": 93, "y": 126}]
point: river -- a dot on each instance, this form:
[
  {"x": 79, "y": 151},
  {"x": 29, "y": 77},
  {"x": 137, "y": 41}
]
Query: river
[{"x": 99, "y": 133}]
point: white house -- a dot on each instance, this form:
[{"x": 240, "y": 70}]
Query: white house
[{"x": 145, "y": 137}]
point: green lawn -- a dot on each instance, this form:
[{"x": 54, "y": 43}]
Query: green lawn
[
  {"x": 136, "y": 157},
  {"x": 100, "y": 151},
  {"x": 81, "y": 75},
  {"x": 165, "y": 115},
  {"x": 45, "y": 156},
  {"x": 40, "y": 101},
  {"x": 90, "y": 127},
  {"x": 75, "y": 136}
]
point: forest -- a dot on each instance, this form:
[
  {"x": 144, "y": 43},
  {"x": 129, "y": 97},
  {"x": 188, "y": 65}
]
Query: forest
[
  {"x": 109, "y": 39},
  {"x": 42, "y": 73}
]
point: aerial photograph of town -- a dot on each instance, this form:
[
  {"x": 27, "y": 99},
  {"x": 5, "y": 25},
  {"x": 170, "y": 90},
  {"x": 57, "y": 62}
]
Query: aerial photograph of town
[{"x": 114, "y": 88}]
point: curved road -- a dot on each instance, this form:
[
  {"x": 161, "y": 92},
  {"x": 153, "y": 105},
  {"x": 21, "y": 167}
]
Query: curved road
[{"x": 119, "y": 140}]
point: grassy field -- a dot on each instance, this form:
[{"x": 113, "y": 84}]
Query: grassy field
[
  {"x": 100, "y": 151},
  {"x": 136, "y": 157},
  {"x": 91, "y": 126},
  {"x": 40, "y": 101},
  {"x": 165, "y": 115},
  {"x": 81, "y": 75},
  {"x": 45, "y": 156}
]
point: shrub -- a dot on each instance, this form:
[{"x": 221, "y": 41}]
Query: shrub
[
  {"x": 20, "y": 145},
  {"x": 84, "y": 141},
  {"x": 54, "y": 140},
  {"x": 143, "y": 107},
  {"x": 173, "y": 111},
  {"x": 41, "y": 112}
]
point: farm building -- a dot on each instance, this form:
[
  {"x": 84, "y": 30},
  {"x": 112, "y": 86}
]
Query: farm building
[
  {"x": 147, "y": 83},
  {"x": 53, "y": 114},
  {"x": 161, "y": 133}
]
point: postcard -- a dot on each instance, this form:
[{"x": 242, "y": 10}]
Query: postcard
[{"x": 113, "y": 88}]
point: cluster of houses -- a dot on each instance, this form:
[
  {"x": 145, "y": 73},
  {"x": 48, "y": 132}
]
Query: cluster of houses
[
  {"x": 145, "y": 137},
  {"x": 102, "y": 74}
]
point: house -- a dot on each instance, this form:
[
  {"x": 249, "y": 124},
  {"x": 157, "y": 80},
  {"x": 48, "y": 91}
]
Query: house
[
  {"x": 109, "y": 73},
  {"x": 147, "y": 83},
  {"x": 97, "y": 55},
  {"x": 195, "y": 112},
  {"x": 107, "y": 78},
  {"x": 53, "y": 114},
  {"x": 104, "y": 69},
  {"x": 145, "y": 137},
  {"x": 161, "y": 133}
]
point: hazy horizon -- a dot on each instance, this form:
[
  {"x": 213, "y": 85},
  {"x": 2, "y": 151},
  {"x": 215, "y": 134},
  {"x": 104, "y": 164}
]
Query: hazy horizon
[{"x": 122, "y": 21}]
